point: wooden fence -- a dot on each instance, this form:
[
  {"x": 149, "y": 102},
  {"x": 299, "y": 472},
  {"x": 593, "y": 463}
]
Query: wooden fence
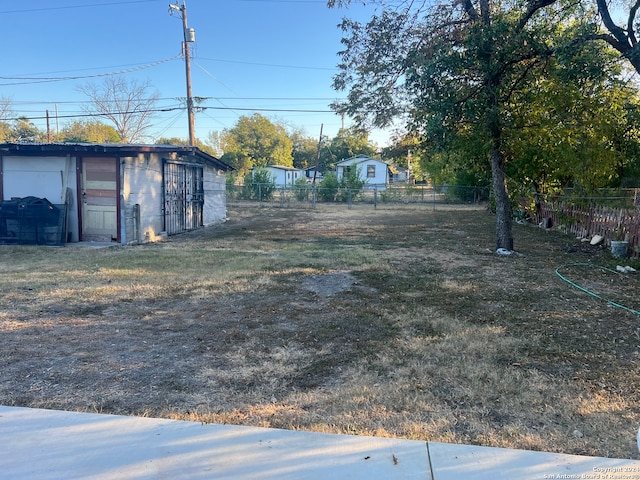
[{"x": 587, "y": 221}]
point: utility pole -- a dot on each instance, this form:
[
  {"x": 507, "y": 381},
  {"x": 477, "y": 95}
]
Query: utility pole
[
  {"x": 188, "y": 37},
  {"x": 315, "y": 172},
  {"x": 48, "y": 128}
]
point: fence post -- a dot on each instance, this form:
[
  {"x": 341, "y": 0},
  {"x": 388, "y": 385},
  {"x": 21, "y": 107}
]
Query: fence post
[
  {"x": 375, "y": 197},
  {"x": 348, "y": 198},
  {"x": 433, "y": 190}
]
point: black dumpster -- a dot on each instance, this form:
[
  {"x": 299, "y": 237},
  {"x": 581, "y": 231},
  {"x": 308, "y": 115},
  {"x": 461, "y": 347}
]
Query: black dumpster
[{"x": 32, "y": 221}]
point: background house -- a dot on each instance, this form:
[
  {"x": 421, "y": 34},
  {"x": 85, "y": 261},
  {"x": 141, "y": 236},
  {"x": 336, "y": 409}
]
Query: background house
[
  {"x": 398, "y": 174},
  {"x": 374, "y": 172},
  {"x": 110, "y": 192},
  {"x": 311, "y": 173},
  {"x": 284, "y": 176}
]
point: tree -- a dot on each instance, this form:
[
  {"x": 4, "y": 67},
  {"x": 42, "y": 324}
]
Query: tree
[
  {"x": 214, "y": 141},
  {"x": 452, "y": 69},
  {"x": 405, "y": 151},
  {"x": 185, "y": 141},
  {"x": 349, "y": 185},
  {"x": 259, "y": 184},
  {"x": 6, "y": 112},
  {"x": 256, "y": 142},
  {"x": 23, "y": 130},
  {"x": 305, "y": 149},
  {"x": 88, "y": 131},
  {"x": 574, "y": 127},
  {"x": 128, "y": 104},
  {"x": 623, "y": 39},
  {"x": 350, "y": 142}
]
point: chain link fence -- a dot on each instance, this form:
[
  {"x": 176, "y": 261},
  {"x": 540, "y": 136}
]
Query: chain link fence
[{"x": 309, "y": 196}]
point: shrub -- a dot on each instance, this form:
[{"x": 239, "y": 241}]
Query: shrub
[
  {"x": 259, "y": 185},
  {"x": 301, "y": 189},
  {"x": 328, "y": 187}
]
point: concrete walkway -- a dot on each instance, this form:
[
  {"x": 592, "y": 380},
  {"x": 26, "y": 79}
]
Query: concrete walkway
[{"x": 49, "y": 444}]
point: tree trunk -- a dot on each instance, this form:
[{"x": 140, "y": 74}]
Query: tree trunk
[{"x": 504, "y": 234}]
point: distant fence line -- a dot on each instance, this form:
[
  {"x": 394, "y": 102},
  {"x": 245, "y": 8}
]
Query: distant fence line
[
  {"x": 308, "y": 196},
  {"x": 612, "y": 213}
]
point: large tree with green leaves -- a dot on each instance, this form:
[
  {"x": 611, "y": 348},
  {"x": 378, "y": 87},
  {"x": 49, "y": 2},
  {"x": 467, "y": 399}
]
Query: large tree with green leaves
[
  {"x": 451, "y": 71},
  {"x": 350, "y": 142},
  {"x": 305, "y": 149},
  {"x": 24, "y": 130},
  {"x": 256, "y": 141},
  {"x": 574, "y": 127}
]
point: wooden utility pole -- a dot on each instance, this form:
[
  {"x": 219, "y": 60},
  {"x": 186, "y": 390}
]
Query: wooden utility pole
[
  {"x": 315, "y": 171},
  {"x": 48, "y": 128},
  {"x": 188, "y": 37}
]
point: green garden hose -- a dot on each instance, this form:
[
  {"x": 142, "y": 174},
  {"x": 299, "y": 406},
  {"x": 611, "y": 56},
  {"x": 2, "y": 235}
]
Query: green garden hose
[{"x": 589, "y": 292}]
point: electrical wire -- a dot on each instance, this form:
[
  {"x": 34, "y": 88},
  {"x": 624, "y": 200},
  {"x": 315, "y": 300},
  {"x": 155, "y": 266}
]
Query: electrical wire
[
  {"x": 29, "y": 80},
  {"x": 589, "y": 292},
  {"x": 67, "y": 7},
  {"x": 168, "y": 109}
]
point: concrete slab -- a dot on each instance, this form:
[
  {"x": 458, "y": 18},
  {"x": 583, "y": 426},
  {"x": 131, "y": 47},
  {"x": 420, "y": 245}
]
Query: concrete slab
[
  {"x": 453, "y": 462},
  {"x": 47, "y": 444}
]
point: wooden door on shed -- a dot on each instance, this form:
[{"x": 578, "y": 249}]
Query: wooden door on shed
[{"x": 99, "y": 199}]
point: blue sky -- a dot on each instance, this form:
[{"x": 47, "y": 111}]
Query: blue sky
[{"x": 249, "y": 54}]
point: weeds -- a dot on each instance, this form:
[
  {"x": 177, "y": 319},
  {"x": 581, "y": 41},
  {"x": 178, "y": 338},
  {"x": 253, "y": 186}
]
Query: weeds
[{"x": 398, "y": 322}]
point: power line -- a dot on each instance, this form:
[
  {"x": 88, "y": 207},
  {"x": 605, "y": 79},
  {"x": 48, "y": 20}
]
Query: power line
[
  {"x": 169, "y": 109},
  {"x": 279, "y": 99},
  {"x": 106, "y": 114},
  {"x": 29, "y": 80},
  {"x": 67, "y": 7}
]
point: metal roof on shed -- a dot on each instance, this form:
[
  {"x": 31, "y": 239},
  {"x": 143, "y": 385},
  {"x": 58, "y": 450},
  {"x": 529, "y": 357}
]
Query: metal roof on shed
[{"x": 122, "y": 149}]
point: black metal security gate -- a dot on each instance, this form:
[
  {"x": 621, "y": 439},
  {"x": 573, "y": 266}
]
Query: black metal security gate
[{"x": 183, "y": 196}]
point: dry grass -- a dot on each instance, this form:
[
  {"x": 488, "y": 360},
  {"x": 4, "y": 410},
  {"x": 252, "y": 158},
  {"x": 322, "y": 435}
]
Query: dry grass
[{"x": 390, "y": 322}]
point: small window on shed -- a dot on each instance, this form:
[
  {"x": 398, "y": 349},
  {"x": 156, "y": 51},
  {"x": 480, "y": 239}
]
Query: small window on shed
[{"x": 371, "y": 171}]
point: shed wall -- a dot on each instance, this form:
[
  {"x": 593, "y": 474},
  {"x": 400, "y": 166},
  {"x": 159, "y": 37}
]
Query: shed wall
[
  {"x": 215, "y": 195},
  {"x": 53, "y": 178},
  {"x": 142, "y": 186}
]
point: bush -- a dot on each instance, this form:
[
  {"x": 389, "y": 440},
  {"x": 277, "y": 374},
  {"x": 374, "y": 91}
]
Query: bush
[
  {"x": 328, "y": 187},
  {"x": 302, "y": 189},
  {"x": 347, "y": 187},
  {"x": 259, "y": 185}
]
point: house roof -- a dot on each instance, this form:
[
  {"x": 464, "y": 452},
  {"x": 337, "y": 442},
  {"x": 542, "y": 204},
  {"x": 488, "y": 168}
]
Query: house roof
[
  {"x": 359, "y": 159},
  {"x": 280, "y": 167},
  {"x": 118, "y": 149}
]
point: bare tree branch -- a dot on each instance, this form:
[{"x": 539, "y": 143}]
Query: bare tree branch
[{"x": 128, "y": 104}]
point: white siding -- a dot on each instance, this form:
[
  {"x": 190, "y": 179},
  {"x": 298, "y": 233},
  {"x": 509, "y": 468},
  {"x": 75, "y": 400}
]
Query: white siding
[
  {"x": 284, "y": 176},
  {"x": 379, "y": 180},
  {"x": 215, "y": 195},
  {"x": 43, "y": 177},
  {"x": 142, "y": 185}
]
